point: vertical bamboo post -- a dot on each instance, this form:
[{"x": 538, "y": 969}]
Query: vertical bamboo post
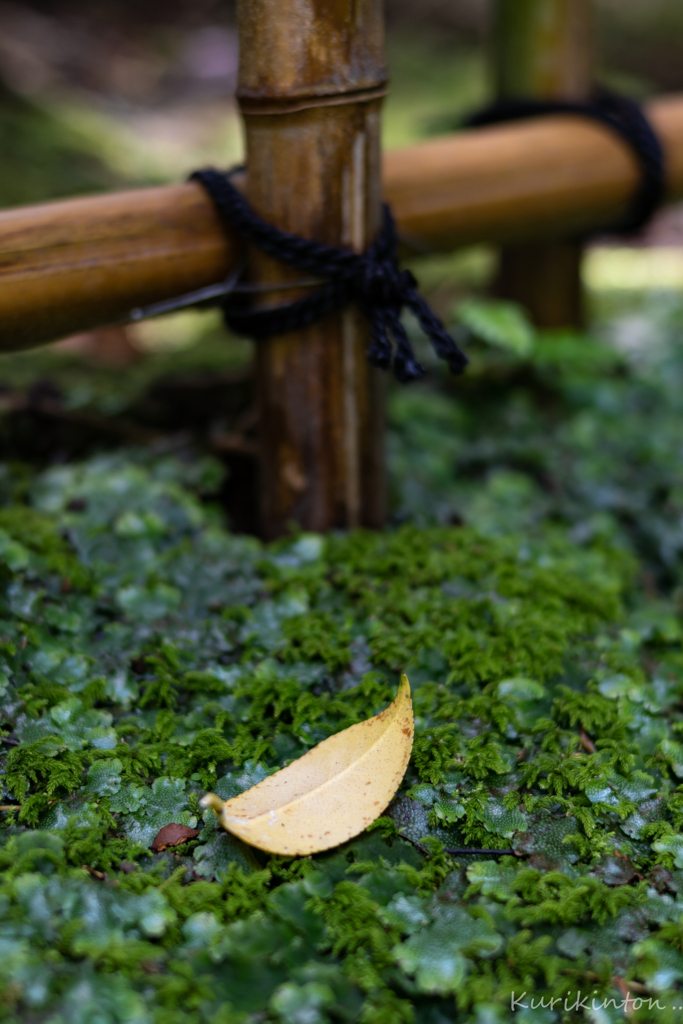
[
  {"x": 311, "y": 82},
  {"x": 543, "y": 48}
]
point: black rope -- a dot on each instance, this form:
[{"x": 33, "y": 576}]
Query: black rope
[
  {"x": 372, "y": 279},
  {"x": 625, "y": 117}
]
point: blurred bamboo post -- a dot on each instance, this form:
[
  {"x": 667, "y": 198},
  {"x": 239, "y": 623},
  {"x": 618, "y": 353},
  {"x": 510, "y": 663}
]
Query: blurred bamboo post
[
  {"x": 311, "y": 82},
  {"x": 543, "y": 48}
]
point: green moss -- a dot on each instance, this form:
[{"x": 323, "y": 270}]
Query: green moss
[
  {"x": 39, "y": 536},
  {"x": 183, "y": 659}
]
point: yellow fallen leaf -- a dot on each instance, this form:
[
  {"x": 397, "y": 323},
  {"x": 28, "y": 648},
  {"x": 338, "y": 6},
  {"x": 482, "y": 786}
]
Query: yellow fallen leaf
[{"x": 331, "y": 793}]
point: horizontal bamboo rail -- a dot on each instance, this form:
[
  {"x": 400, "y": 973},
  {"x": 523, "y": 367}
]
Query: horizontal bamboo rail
[{"x": 76, "y": 264}]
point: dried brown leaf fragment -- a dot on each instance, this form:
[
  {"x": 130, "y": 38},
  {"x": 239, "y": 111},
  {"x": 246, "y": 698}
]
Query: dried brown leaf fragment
[{"x": 173, "y": 835}]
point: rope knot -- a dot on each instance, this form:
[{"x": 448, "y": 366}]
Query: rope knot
[
  {"x": 373, "y": 279},
  {"x": 383, "y": 284}
]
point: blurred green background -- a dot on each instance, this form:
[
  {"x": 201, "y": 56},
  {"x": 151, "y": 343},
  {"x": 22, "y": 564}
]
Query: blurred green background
[{"x": 92, "y": 94}]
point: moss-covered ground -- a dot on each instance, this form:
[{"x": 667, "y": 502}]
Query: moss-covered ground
[{"x": 529, "y": 587}]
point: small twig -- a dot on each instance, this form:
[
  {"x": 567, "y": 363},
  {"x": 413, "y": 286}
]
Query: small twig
[
  {"x": 247, "y": 420},
  {"x": 634, "y": 986},
  {"x": 457, "y": 850},
  {"x": 625, "y": 989},
  {"x": 234, "y": 442},
  {"x": 11, "y": 807},
  {"x": 99, "y": 875},
  {"x": 52, "y": 408},
  {"x": 587, "y": 743},
  {"x": 474, "y": 849}
]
